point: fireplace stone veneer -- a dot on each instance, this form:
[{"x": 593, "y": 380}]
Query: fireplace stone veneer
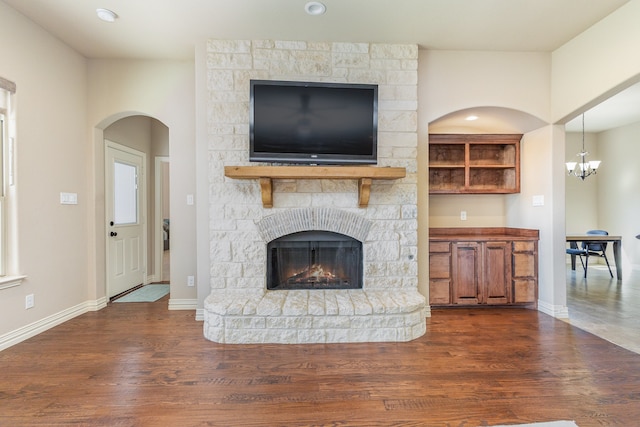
[
  {"x": 382, "y": 214},
  {"x": 314, "y": 316}
]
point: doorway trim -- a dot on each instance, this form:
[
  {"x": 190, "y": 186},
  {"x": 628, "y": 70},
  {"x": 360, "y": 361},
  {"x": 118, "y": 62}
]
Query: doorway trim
[{"x": 158, "y": 220}]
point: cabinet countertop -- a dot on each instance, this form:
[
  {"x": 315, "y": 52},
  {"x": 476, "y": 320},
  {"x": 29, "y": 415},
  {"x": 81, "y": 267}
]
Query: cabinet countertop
[{"x": 481, "y": 234}]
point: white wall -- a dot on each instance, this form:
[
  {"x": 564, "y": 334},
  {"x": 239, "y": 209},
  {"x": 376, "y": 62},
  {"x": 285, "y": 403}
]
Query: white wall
[
  {"x": 541, "y": 174},
  {"x": 618, "y": 184},
  {"x": 596, "y": 64},
  {"x": 51, "y": 157},
  {"x": 164, "y": 90}
]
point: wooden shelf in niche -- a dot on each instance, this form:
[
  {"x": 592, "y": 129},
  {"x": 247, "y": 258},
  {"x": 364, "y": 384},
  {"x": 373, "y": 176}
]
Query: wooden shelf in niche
[
  {"x": 474, "y": 163},
  {"x": 266, "y": 174}
]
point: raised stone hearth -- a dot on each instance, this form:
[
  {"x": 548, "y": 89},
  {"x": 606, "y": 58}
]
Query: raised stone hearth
[{"x": 314, "y": 316}]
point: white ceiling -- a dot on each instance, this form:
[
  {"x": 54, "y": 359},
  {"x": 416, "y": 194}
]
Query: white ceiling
[{"x": 170, "y": 29}]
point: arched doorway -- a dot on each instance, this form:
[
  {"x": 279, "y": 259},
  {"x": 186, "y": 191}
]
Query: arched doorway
[{"x": 147, "y": 135}]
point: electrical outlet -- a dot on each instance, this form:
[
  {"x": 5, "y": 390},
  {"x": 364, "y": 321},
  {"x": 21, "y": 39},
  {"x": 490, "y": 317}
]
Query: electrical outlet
[
  {"x": 29, "y": 301},
  {"x": 191, "y": 281},
  {"x": 463, "y": 215}
]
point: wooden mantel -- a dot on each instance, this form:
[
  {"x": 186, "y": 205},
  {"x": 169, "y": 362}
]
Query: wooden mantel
[{"x": 266, "y": 174}]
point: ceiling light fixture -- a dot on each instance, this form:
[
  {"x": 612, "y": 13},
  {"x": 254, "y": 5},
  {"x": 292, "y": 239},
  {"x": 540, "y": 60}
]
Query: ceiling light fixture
[
  {"x": 586, "y": 168},
  {"x": 471, "y": 118},
  {"x": 315, "y": 8},
  {"x": 106, "y": 15}
]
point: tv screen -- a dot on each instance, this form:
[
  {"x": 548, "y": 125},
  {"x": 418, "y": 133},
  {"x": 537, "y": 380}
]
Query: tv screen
[{"x": 313, "y": 123}]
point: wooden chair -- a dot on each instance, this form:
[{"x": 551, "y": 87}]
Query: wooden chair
[{"x": 591, "y": 248}]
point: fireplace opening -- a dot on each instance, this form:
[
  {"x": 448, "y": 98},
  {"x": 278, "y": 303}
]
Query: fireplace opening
[{"x": 314, "y": 260}]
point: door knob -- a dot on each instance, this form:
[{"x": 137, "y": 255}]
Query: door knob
[{"x": 113, "y": 234}]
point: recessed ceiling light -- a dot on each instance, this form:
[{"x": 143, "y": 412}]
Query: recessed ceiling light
[
  {"x": 471, "y": 118},
  {"x": 315, "y": 8},
  {"x": 106, "y": 15}
]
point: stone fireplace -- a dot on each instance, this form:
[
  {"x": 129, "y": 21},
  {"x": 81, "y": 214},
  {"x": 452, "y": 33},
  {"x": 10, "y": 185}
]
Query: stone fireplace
[
  {"x": 385, "y": 305},
  {"x": 383, "y": 310}
]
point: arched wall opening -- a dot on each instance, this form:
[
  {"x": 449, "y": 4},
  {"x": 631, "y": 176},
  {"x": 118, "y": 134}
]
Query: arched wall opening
[
  {"x": 145, "y": 133},
  {"x": 541, "y": 174},
  {"x": 483, "y": 210}
]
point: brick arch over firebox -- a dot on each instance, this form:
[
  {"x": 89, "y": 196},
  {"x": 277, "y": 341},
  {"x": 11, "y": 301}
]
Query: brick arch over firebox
[{"x": 306, "y": 219}]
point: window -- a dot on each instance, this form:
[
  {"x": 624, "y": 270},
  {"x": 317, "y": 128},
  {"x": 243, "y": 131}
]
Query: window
[
  {"x": 3, "y": 239},
  {"x": 8, "y": 263}
]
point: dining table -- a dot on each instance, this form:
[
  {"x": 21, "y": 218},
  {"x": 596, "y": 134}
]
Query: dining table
[{"x": 574, "y": 239}]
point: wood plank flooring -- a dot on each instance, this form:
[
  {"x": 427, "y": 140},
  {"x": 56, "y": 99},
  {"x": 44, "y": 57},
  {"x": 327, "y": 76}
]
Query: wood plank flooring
[
  {"x": 604, "y": 306},
  {"x": 139, "y": 364}
]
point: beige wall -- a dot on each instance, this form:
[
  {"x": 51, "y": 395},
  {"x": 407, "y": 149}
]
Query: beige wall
[
  {"x": 51, "y": 157},
  {"x": 618, "y": 181},
  {"x": 164, "y": 90},
  {"x": 596, "y": 64},
  {"x": 515, "y": 86},
  {"x": 609, "y": 199}
]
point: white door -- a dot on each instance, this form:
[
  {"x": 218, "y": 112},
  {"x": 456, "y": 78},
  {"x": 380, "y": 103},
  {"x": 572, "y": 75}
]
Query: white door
[{"x": 125, "y": 214}]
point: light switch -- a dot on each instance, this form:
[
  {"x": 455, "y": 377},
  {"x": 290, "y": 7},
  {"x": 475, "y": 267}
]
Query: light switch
[
  {"x": 190, "y": 199},
  {"x": 68, "y": 198},
  {"x": 538, "y": 200}
]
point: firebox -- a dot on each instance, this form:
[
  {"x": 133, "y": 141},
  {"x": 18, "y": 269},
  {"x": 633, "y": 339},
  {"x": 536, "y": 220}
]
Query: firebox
[{"x": 314, "y": 260}]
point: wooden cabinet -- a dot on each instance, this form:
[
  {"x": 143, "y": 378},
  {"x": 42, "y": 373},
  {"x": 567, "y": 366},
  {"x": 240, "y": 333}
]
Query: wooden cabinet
[
  {"x": 474, "y": 163},
  {"x": 483, "y": 266}
]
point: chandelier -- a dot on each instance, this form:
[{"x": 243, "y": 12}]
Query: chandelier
[{"x": 583, "y": 168}]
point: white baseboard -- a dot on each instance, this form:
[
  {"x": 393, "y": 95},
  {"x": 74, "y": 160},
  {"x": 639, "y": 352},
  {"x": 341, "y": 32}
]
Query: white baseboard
[
  {"x": 35, "y": 328},
  {"x": 557, "y": 311},
  {"x": 182, "y": 304},
  {"x": 200, "y": 314},
  {"x": 98, "y": 304}
]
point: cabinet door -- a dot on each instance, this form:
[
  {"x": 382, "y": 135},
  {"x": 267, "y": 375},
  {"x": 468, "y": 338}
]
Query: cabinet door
[
  {"x": 525, "y": 272},
  {"x": 466, "y": 272},
  {"x": 439, "y": 273},
  {"x": 497, "y": 273},
  {"x": 440, "y": 278},
  {"x": 524, "y": 291}
]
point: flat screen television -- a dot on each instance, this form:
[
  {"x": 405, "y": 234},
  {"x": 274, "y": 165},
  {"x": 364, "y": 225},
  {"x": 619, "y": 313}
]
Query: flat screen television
[{"x": 313, "y": 123}]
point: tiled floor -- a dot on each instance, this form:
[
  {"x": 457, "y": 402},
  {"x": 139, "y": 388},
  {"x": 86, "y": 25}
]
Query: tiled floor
[{"x": 604, "y": 306}]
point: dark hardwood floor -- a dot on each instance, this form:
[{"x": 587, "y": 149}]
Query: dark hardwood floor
[{"x": 138, "y": 364}]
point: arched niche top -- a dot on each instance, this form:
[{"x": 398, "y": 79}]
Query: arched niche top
[{"x": 490, "y": 120}]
